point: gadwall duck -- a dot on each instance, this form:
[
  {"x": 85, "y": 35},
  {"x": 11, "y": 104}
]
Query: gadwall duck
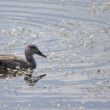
[{"x": 13, "y": 62}]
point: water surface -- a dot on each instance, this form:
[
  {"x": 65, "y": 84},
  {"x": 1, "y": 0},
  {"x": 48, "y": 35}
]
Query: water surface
[{"x": 75, "y": 35}]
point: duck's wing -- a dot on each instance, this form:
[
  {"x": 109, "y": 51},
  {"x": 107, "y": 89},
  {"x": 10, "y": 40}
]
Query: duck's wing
[
  {"x": 9, "y": 57},
  {"x": 12, "y": 62}
]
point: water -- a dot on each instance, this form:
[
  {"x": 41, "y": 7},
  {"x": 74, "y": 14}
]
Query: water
[{"x": 75, "y": 35}]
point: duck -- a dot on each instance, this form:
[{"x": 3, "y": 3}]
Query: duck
[{"x": 12, "y": 62}]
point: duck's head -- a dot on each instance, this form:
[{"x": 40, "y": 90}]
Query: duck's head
[{"x": 33, "y": 49}]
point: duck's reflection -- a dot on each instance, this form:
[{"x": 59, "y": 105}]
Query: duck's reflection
[
  {"x": 29, "y": 78},
  {"x": 32, "y": 80}
]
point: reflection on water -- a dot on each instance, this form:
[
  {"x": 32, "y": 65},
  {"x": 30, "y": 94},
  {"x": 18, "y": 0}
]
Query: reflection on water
[
  {"x": 28, "y": 76},
  {"x": 75, "y": 36}
]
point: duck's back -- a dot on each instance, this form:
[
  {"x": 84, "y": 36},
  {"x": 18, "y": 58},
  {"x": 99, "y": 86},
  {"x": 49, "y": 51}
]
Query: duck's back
[{"x": 12, "y": 62}]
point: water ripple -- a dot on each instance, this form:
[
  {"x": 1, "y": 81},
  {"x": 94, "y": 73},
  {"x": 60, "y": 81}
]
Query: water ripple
[{"x": 75, "y": 37}]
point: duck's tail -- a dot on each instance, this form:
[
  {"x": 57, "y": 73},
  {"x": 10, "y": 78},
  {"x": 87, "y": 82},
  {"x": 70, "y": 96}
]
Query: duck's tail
[{"x": 0, "y": 62}]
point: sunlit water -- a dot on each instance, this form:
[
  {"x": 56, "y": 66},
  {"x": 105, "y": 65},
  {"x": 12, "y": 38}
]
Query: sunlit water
[{"x": 75, "y": 35}]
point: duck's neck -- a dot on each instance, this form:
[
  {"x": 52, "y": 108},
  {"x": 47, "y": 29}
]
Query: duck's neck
[{"x": 30, "y": 60}]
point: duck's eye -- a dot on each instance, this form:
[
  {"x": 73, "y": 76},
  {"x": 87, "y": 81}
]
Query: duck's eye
[{"x": 33, "y": 47}]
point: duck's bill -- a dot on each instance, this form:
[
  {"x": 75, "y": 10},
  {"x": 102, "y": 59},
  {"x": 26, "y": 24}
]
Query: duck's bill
[{"x": 41, "y": 54}]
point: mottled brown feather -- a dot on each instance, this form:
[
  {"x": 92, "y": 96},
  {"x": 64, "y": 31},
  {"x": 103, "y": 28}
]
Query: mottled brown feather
[{"x": 12, "y": 62}]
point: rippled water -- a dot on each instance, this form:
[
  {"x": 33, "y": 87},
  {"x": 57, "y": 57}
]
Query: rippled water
[{"x": 75, "y": 35}]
